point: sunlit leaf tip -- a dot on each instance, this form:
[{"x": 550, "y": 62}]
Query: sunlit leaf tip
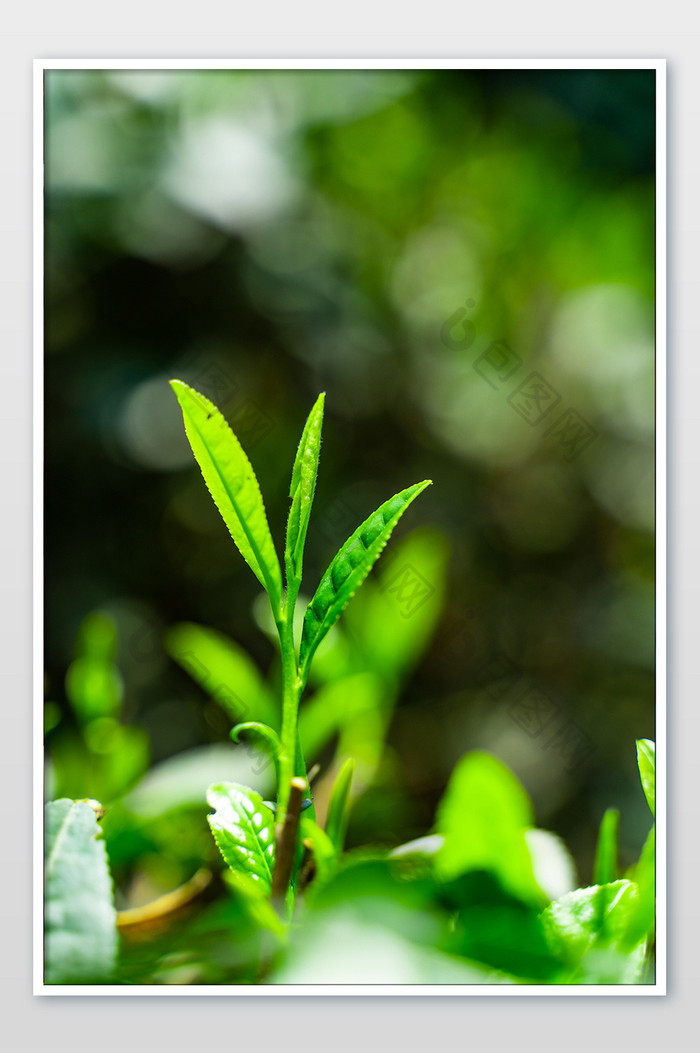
[
  {"x": 349, "y": 569},
  {"x": 302, "y": 489},
  {"x": 232, "y": 483}
]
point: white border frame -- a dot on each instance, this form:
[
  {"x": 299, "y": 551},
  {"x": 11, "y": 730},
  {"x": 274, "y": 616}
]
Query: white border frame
[{"x": 332, "y": 990}]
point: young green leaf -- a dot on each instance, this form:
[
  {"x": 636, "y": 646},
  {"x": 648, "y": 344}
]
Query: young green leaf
[
  {"x": 80, "y": 942},
  {"x": 302, "y": 490},
  {"x": 232, "y": 483},
  {"x": 223, "y": 670},
  {"x": 265, "y": 735},
  {"x": 644, "y": 874},
  {"x": 254, "y": 902},
  {"x": 349, "y": 569},
  {"x": 484, "y": 816},
  {"x": 594, "y": 931},
  {"x": 646, "y": 759},
  {"x": 244, "y": 830},
  {"x": 322, "y": 848},
  {"x": 605, "y": 866},
  {"x": 337, "y": 820}
]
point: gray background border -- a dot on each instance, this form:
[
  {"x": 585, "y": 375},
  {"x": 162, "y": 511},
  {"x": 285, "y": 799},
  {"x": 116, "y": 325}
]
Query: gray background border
[{"x": 215, "y": 29}]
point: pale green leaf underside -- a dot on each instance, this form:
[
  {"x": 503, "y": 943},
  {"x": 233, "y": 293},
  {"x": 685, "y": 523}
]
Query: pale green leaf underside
[
  {"x": 232, "y": 484},
  {"x": 302, "y": 489},
  {"x": 646, "y": 758},
  {"x": 80, "y": 941},
  {"x": 349, "y": 569},
  {"x": 244, "y": 830}
]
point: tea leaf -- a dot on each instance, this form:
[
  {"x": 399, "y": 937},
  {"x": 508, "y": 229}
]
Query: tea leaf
[
  {"x": 646, "y": 759},
  {"x": 265, "y": 735},
  {"x": 594, "y": 931},
  {"x": 349, "y": 569},
  {"x": 223, "y": 670},
  {"x": 302, "y": 490},
  {"x": 605, "y": 866},
  {"x": 322, "y": 849},
  {"x": 232, "y": 483},
  {"x": 337, "y": 821},
  {"x": 335, "y": 707},
  {"x": 80, "y": 943},
  {"x": 644, "y": 875},
  {"x": 484, "y": 816},
  {"x": 244, "y": 830}
]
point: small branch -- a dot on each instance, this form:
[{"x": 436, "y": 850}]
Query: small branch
[{"x": 286, "y": 846}]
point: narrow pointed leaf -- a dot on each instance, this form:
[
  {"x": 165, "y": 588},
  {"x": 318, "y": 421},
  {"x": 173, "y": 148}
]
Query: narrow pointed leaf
[
  {"x": 80, "y": 942},
  {"x": 232, "y": 483},
  {"x": 646, "y": 759},
  {"x": 302, "y": 490},
  {"x": 337, "y": 821},
  {"x": 644, "y": 874},
  {"x": 349, "y": 569},
  {"x": 605, "y": 866},
  {"x": 244, "y": 830},
  {"x": 322, "y": 848}
]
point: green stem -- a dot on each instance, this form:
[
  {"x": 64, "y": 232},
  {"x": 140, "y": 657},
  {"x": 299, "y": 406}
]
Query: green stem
[{"x": 291, "y": 692}]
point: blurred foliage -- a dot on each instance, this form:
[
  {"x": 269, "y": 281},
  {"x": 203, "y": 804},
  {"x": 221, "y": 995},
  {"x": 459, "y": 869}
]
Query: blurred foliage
[
  {"x": 486, "y": 899},
  {"x": 416, "y": 244}
]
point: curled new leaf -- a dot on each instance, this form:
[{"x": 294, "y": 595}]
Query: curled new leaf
[
  {"x": 268, "y": 739},
  {"x": 349, "y": 569},
  {"x": 232, "y": 483},
  {"x": 302, "y": 490}
]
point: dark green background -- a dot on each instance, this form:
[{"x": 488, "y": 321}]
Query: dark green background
[{"x": 267, "y": 235}]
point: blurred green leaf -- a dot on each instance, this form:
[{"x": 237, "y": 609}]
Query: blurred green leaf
[
  {"x": 344, "y": 947},
  {"x": 182, "y": 781},
  {"x": 302, "y": 490},
  {"x": 223, "y": 670},
  {"x": 105, "y": 762},
  {"x": 338, "y": 805},
  {"x": 593, "y": 930},
  {"x": 644, "y": 876},
  {"x": 553, "y": 865},
  {"x": 349, "y": 569},
  {"x": 646, "y": 759},
  {"x": 484, "y": 816},
  {"x": 244, "y": 830},
  {"x": 323, "y": 850},
  {"x": 253, "y": 897},
  {"x": 393, "y": 620},
  {"x": 605, "y": 865},
  {"x": 335, "y": 706},
  {"x": 80, "y": 941},
  {"x": 93, "y": 685},
  {"x": 232, "y": 483}
]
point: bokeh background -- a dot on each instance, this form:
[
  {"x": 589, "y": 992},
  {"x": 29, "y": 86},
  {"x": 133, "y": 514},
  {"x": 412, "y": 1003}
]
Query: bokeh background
[{"x": 417, "y": 244}]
